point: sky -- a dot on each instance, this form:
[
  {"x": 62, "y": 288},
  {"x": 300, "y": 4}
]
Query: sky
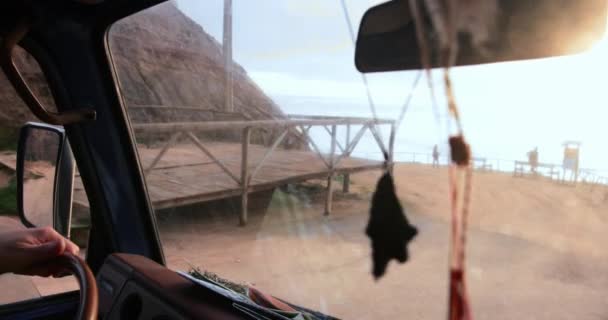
[{"x": 300, "y": 53}]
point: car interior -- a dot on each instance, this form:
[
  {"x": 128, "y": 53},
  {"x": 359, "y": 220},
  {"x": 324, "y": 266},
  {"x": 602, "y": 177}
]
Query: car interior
[{"x": 114, "y": 152}]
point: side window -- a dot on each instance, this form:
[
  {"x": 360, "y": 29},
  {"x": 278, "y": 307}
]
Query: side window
[{"x": 14, "y": 113}]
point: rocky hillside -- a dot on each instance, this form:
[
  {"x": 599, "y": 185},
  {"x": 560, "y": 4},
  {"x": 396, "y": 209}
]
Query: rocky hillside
[{"x": 163, "y": 58}]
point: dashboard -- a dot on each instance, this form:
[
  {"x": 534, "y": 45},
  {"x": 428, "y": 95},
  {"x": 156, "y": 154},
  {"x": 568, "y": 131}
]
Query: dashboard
[{"x": 134, "y": 287}]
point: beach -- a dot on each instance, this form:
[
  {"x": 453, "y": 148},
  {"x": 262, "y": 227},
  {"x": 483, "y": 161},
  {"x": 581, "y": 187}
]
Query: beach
[{"x": 535, "y": 248}]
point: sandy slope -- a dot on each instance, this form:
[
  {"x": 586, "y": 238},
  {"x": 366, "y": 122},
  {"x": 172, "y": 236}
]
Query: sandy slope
[
  {"x": 532, "y": 252},
  {"x": 563, "y": 217}
]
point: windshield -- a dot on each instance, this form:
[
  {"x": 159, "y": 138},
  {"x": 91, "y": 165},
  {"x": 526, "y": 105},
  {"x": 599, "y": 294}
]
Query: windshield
[{"x": 261, "y": 152}]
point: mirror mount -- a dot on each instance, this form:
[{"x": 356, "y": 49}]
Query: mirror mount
[{"x": 59, "y": 154}]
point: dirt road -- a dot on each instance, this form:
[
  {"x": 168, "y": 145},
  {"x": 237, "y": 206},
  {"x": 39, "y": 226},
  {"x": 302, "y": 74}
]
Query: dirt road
[
  {"x": 535, "y": 250},
  {"x": 293, "y": 252}
]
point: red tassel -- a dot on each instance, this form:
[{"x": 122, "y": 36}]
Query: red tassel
[{"x": 459, "y": 302}]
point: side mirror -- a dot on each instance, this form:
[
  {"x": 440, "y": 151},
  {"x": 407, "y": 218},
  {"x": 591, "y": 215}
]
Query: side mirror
[
  {"x": 488, "y": 31},
  {"x": 45, "y": 177}
]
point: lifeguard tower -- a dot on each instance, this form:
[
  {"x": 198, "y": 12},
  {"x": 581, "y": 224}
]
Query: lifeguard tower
[{"x": 570, "y": 163}]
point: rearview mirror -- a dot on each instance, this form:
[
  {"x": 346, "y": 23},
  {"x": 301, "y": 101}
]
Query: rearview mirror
[
  {"x": 45, "y": 177},
  {"x": 488, "y": 31}
]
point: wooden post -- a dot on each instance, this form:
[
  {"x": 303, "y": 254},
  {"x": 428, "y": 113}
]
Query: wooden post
[
  {"x": 244, "y": 175},
  {"x": 347, "y": 135},
  {"x": 346, "y": 177},
  {"x": 338, "y": 144},
  {"x": 346, "y": 183},
  {"x": 330, "y": 176},
  {"x": 227, "y": 51},
  {"x": 329, "y": 196}
]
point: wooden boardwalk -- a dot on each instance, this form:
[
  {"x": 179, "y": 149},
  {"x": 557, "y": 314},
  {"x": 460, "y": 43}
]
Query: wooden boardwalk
[
  {"x": 184, "y": 175},
  {"x": 186, "y": 170}
]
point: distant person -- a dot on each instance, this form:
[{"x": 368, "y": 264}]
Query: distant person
[
  {"x": 533, "y": 159},
  {"x": 435, "y": 156}
]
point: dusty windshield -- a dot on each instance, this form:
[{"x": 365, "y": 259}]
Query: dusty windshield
[{"x": 261, "y": 155}]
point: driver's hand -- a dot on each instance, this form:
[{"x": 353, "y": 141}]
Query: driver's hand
[{"x": 31, "y": 251}]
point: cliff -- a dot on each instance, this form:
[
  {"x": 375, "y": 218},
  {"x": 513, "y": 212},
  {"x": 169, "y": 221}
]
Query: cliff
[{"x": 162, "y": 58}]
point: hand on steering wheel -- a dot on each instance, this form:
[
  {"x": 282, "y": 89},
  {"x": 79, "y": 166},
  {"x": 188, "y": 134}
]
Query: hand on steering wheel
[
  {"x": 32, "y": 251},
  {"x": 44, "y": 252},
  {"x": 87, "y": 309}
]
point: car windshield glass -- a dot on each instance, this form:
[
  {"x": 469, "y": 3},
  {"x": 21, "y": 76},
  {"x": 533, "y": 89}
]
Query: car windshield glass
[{"x": 261, "y": 155}]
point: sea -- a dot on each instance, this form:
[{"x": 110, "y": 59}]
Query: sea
[{"x": 498, "y": 136}]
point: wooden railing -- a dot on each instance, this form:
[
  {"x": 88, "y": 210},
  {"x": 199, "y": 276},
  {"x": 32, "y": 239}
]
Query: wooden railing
[{"x": 300, "y": 125}]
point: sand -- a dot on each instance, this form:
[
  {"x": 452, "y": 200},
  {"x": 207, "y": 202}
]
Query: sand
[
  {"x": 565, "y": 217},
  {"x": 535, "y": 249},
  {"x": 534, "y": 252}
]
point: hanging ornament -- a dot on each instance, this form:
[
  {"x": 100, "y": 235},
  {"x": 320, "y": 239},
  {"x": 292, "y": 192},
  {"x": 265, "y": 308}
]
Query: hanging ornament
[{"x": 388, "y": 228}]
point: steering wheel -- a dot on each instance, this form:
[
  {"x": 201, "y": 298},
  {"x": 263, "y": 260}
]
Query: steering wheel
[{"x": 87, "y": 310}]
